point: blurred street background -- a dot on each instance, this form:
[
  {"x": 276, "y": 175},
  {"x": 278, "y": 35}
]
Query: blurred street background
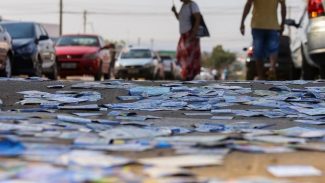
[{"x": 149, "y": 24}]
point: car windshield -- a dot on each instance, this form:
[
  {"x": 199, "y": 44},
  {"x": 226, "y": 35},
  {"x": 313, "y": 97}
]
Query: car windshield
[
  {"x": 136, "y": 54},
  {"x": 20, "y": 30},
  {"x": 78, "y": 41}
]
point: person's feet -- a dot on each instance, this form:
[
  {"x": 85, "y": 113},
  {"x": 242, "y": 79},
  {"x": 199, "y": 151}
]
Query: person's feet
[
  {"x": 271, "y": 74},
  {"x": 260, "y": 70}
]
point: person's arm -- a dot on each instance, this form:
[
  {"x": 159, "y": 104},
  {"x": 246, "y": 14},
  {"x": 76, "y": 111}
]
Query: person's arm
[
  {"x": 283, "y": 14},
  {"x": 247, "y": 9},
  {"x": 175, "y": 12}
]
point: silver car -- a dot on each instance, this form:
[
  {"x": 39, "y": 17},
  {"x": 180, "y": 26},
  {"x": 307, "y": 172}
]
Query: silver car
[
  {"x": 139, "y": 63},
  {"x": 308, "y": 45},
  {"x": 168, "y": 63},
  {"x": 5, "y": 53}
]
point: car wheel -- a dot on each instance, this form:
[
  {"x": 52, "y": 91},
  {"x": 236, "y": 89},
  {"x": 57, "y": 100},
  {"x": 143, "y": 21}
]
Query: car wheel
[
  {"x": 151, "y": 76},
  {"x": 54, "y": 73},
  {"x": 117, "y": 76},
  {"x": 322, "y": 72},
  {"x": 7, "y": 72},
  {"x": 172, "y": 76},
  {"x": 37, "y": 67},
  {"x": 285, "y": 72},
  {"x": 98, "y": 76},
  {"x": 158, "y": 75},
  {"x": 308, "y": 72},
  {"x": 296, "y": 74},
  {"x": 106, "y": 76}
]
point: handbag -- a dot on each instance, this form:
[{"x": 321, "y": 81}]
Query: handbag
[{"x": 203, "y": 30}]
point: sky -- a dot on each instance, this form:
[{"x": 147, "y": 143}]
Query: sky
[{"x": 140, "y": 22}]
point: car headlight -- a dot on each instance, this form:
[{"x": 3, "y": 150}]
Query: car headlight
[
  {"x": 90, "y": 56},
  {"x": 118, "y": 65},
  {"x": 26, "y": 49},
  {"x": 149, "y": 64}
]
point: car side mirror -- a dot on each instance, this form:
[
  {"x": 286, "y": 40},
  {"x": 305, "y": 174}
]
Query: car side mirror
[
  {"x": 43, "y": 37},
  {"x": 291, "y": 22},
  {"x": 106, "y": 47}
]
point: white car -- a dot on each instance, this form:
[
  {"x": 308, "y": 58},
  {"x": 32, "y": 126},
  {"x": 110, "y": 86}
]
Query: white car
[
  {"x": 308, "y": 44},
  {"x": 139, "y": 63}
]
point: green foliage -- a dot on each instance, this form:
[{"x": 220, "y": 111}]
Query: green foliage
[{"x": 219, "y": 58}]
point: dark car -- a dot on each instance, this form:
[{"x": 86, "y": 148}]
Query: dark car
[
  {"x": 308, "y": 44},
  {"x": 34, "y": 52},
  {"x": 285, "y": 66},
  {"x": 5, "y": 53}
]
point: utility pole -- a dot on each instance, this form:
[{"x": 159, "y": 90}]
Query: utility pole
[
  {"x": 85, "y": 21},
  {"x": 139, "y": 41},
  {"x": 61, "y": 17},
  {"x": 152, "y": 42}
]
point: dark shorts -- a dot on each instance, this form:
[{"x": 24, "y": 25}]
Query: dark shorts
[{"x": 265, "y": 43}]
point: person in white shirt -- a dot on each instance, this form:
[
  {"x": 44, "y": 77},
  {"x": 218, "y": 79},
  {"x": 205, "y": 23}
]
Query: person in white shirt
[{"x": 188, "y": 49}]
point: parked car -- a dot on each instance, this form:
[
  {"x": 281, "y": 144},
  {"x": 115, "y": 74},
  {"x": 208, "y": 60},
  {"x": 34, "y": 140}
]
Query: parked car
[
  {"x": 83, "y": 54},
  {"x": 33, "y": 50},
  {"x": 5, "y": 53},
  {"x": 286, "y": 69},
  {"x": 139, "y": 63},
  {"x": 308, "y": 45}
]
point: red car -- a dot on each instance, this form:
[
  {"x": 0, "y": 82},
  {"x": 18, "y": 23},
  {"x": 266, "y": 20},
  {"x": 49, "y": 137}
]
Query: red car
[{"x": 82, "y": 55}]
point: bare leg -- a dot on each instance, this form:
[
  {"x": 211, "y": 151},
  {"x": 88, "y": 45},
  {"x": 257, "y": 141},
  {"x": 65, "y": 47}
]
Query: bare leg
[
  {"x": 260, "y": 69},
  {"x": 272, "y": 71}
]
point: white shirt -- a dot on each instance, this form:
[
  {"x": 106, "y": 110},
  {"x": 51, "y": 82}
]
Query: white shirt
[{"x": 185, "y": 15}]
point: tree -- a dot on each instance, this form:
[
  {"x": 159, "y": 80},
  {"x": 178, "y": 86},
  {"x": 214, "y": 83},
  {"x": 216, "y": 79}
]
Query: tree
[{"x": 219, "y": 58}]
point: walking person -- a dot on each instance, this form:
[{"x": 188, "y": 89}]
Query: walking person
[
  {"x": 112, "y": 49},
  {"x": 188, "y": 49},
  {"x": 266, "y": 32}
]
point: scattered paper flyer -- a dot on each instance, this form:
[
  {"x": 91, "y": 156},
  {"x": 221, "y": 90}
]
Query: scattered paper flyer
[
  {"x": 157, "y": 172},
  {"x": 184, "y": 161},
  {"x": 294, "y": 171}
]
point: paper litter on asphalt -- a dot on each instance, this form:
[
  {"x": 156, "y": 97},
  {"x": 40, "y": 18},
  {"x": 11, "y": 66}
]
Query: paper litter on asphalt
[{"x": 91, "y": 139}]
